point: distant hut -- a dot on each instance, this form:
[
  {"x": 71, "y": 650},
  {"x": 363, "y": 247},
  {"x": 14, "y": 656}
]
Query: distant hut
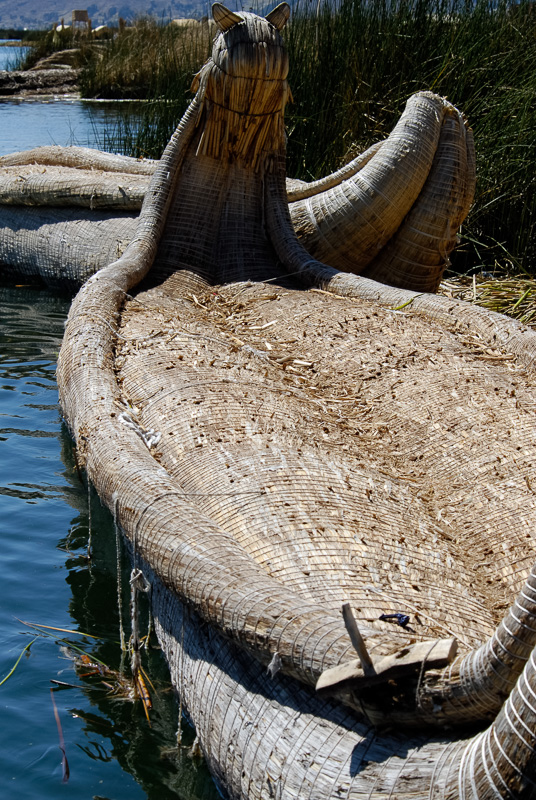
[{"x": 81, "y": 20}]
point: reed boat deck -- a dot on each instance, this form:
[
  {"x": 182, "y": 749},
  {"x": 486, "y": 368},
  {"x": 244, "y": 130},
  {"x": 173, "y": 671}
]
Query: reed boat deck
[
  {"x": 356, "y": 452},
  {"x": 306, "y": 449}
]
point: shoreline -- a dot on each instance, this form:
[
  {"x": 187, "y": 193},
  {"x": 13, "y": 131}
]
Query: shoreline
[{"x": 38, "y": 83}]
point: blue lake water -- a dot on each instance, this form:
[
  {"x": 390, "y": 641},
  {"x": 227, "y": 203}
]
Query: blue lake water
[
  {"x": 10, "y": 55},
  {"x": 58, "y": 120},
  {"x": 46, "y": 515}
]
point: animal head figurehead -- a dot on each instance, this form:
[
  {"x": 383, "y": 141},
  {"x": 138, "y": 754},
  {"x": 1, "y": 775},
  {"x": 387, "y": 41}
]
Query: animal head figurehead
[{"x": 242, "y": 90}]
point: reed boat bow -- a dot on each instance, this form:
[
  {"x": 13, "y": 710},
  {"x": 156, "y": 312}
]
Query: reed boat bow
[{"x": 392, "y": 214}]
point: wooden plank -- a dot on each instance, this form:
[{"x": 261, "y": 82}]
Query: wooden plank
[
  {"x": 431, "y": 654},
  {"x": 357, "y": 640}
]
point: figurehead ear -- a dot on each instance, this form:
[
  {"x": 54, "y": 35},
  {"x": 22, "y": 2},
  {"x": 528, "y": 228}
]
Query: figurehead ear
[
  {"x": 279, "y": 16},
  {"x": 224, "y": 18}
]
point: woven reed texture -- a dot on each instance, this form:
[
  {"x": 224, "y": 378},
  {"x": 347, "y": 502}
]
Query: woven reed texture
[
  {"x": 225, "y": 701},
  {"x": 265, "y": 737},
  {"x": 411, "y": 196},
  {"x": 58, "y": 246},
  {"x": 272, "y": 452},
  {"x": 296, "y": 400},
  {"x": 62, "y": 245},
  {"x": 248, "y": 723},
  {"x": 79, "y": 157},
  {"x": 392, "y": 214},
  {"x": 37, "y": 185}
]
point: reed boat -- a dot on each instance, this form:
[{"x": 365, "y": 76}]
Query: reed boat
[{"x": 326, "y": 478}]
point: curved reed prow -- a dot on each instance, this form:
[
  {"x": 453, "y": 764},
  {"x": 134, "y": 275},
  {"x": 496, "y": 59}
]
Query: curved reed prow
[
  {"x": 475, "y": 686},
  {"x": 500, "y": 762},
  {"x": 393, "y": 215}
]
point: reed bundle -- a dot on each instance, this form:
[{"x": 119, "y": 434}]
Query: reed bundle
[{"x": 35, "y": 185}]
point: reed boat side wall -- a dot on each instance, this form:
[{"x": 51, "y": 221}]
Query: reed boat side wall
[
  {"x": 267, "y": 737},
  {"x": 263, "y": 737}
]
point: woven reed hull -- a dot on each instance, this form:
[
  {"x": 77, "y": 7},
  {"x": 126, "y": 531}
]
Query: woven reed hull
[
  {"x": 224, "y": 504},
  {"x": 265, "y": 738},
  {"x": 61, "y": 246}
]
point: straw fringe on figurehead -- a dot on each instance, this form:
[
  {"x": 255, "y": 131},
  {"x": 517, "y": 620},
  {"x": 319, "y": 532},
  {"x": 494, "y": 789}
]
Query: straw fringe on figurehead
[{"x": 240, "y": 115}]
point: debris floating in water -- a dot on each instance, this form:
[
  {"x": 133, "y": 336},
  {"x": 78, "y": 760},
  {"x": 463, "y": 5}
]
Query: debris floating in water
[
  {"x": 17, "y": 662},
  {"x": 64, "y": 762}
]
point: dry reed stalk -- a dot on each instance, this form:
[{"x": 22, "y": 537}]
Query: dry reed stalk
[{"x": 513, "y": 296}]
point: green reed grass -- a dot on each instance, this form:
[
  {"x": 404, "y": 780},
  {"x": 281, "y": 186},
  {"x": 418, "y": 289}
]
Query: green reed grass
[
  {"x": 353, "y": 64},
  {"x": 514, "y": 296},
  {"x": 353, "y": 70},
  {"x": 149, "y": 60}
]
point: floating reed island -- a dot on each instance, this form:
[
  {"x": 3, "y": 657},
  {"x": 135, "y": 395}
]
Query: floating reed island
[{"x": 327, "y": 481}]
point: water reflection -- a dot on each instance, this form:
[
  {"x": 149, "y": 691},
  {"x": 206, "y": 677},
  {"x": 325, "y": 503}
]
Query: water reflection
[
  {"x": 48, "y": 579},
  {"x": 120, "y": 731},
  {"x": 62, "y": 120},
  {"x": 11, "y": 55}
]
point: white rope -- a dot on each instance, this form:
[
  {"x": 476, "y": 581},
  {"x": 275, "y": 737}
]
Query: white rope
[
  {"x": 89, "y": 535},
  {"x": 119, "y": 582}
]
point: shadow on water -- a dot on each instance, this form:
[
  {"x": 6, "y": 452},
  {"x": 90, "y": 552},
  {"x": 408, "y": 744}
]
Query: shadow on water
[{"x": 113, "y": 752}]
